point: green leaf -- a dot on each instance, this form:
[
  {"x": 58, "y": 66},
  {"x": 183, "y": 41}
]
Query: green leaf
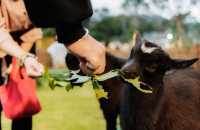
[
  {"x": 64, "y": 78},
  {"x": 59, "y": 71},
  {"x": 95, "y": 84},
  {"x": 106, "y": 76},
  {"x": 42, "y": 81},
  {"x": 61, "y": 83},
  {"x": 68, "y": 87},
  {"x": 136, "y": 83},
  {"x": 88, "y": 83},
  {"x": 100, "y": 93},
  {"x": 81, "y": 79},
  {"x": 51, "y": 83},
  {"x": 59, "y": 74},
  {"x": 72, "y": 77}
]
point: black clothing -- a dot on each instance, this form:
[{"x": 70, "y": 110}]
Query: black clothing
[{"x": 65, "y": 15}]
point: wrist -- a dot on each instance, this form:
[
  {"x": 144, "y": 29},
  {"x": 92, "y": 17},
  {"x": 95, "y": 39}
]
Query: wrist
[{"x": 81, "y": 45}]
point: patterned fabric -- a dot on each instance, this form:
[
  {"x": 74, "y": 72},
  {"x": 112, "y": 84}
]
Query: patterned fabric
[
  {"x": 14, "y": 18},
  {"x": 15, "y": 15}
]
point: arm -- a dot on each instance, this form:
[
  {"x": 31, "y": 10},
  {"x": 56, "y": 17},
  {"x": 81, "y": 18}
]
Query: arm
[
  {"x": 88, "y": 50},
  {"x": 8, "y": 45},
  {"x": 27, "y": 46},
  {"x": 67, "y": 16},
  {"x": 29, "y": 38}
]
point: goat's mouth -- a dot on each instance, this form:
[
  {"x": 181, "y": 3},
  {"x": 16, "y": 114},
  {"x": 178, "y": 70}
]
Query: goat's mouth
[{"x": 129, "y": 74}]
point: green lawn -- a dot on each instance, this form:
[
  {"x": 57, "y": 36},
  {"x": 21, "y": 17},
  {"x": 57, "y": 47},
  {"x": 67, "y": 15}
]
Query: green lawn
[{"x": 74, "y": 110}]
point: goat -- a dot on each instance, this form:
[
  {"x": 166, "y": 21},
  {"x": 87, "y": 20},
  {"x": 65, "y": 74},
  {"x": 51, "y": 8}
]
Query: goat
[
  {"x": 110, "y": 106},
  {"x": 175, "y": 101}
]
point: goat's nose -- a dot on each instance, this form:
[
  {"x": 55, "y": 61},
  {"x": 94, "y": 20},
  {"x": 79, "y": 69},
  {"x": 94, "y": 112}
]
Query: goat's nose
[{"x": 124, "y": 72}]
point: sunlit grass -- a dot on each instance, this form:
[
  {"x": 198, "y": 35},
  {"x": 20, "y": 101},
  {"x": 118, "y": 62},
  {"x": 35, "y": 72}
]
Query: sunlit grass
[{"x": 74, "y": 110}]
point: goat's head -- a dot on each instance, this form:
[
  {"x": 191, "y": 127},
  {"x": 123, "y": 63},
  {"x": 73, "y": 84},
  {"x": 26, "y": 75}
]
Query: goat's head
[{"x": 149, "y": 59}]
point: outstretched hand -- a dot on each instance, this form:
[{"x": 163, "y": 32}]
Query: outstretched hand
[{"x": 91, "y": 54}]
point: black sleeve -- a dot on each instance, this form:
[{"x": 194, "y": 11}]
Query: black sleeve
[
  {"x": 51, "y": 13},
  {"x": 64, "y": 15},
  {"x": 69, "y": 33}
]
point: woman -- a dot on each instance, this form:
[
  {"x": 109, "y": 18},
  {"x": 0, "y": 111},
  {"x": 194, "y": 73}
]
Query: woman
[
  {"x": 9, "y": 23},
  {"x": 16, "y": 29}
]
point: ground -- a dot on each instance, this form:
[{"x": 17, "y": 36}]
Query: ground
[{"x": 61, "y": 110}]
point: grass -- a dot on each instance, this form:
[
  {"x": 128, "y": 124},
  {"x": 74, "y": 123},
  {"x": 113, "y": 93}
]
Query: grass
[{"x": 74, "y": 110}]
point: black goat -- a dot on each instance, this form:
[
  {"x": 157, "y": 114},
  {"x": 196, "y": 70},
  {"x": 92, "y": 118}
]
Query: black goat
[
  {"x": 113, "y": 86},
  {"x": 175, "y": 101}
]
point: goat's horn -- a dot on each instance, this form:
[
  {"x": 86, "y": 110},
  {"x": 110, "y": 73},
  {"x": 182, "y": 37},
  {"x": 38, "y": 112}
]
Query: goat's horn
[{"x": 148, "y": 50}]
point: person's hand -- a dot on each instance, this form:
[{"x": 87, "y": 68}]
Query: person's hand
[
  {"x": 91, "y": 54},
  {"x": 33, "y": 67}
]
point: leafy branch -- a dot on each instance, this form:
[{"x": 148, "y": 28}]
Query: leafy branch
[{"x": 70, "y": 79}]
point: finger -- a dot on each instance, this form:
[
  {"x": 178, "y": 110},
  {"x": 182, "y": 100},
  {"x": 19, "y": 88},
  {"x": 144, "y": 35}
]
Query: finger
[
  {"x": 83, "y": 67},
  {"x": 40, "y": 68},
  {"x": 2, "y": 23},
  {"x": 34, "y": 71},
  {"x": 90, "y": 68},
  {"x": 99, "y": 70}
]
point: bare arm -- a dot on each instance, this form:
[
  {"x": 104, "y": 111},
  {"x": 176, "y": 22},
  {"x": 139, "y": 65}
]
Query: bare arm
[
  {"x": 8, "y": 45},
  {"x": 27, "y": 46},
  {"x": 30, "y": 37}
]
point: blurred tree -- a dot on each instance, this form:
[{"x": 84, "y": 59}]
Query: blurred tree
[
  {"x": 134, "y": 4},
  {"x": 101, "y": 13},
  {"x": 49, "y": 32},
  {"x": 111, "y": 28},
  {"x": 177, "y": 10},
  {"x": 121, "y": 28},
  {"x": 133, "y": 9}
]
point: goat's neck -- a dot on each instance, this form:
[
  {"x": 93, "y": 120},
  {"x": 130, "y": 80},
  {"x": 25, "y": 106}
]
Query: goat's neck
[
  {"x": 146, "y": 106},
  {"x": 150, "y": 100},
  {"x": 153, "y": 80}
]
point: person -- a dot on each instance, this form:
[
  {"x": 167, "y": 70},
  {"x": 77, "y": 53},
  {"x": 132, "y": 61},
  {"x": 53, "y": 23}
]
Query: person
[
  {"x": 64, "y": 15},
  {"x": 27, "y": 44},
  {"x": 16, "y": 29},
  {"x": 11, "y": 21},
  {"x": 57, "y": 53},
  {"x": 67, "y": 17}
]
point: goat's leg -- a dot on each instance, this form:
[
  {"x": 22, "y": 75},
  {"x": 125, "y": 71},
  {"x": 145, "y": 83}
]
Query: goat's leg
[
  {"x": 22, "y": 124},
  {"x": 111, "y": 120},
  {"x": 110, "y": 112}
]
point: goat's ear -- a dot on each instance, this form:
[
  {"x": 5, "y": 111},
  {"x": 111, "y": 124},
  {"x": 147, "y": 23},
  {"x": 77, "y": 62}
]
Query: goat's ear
[
  {"x": 138, "y": 39},
  {"x": 181, "y": 64}
]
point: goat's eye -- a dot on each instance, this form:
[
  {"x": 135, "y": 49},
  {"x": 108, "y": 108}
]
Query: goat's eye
[{"x": 151, "y": 68}]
